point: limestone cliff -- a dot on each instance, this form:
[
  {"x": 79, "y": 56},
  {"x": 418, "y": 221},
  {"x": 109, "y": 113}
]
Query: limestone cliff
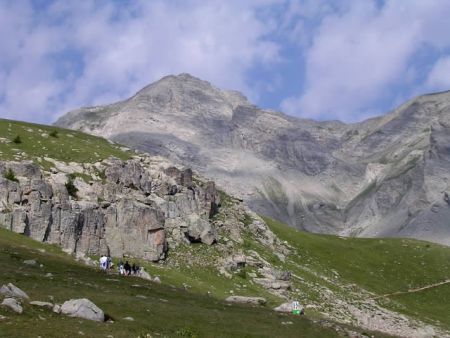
[{"x": 132, "y": 208}]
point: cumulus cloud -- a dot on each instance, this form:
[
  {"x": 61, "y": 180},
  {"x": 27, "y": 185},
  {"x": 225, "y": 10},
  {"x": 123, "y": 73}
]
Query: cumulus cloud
[
  {"x": 75, "y": 53},
  {"x": 361, "y": 51},
  {"x": 439, "y": 76},
  {"x": 326, "y": 59}
]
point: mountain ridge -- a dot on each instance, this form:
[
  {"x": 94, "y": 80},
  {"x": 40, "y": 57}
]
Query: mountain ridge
[{"x": 371, "y": 178}]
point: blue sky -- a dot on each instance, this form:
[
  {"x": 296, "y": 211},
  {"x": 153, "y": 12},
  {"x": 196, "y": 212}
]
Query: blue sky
[{"x": 342, "y": 59}]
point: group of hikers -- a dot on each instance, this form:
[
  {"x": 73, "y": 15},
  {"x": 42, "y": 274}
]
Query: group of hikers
[{"x": 107, "y": 265}]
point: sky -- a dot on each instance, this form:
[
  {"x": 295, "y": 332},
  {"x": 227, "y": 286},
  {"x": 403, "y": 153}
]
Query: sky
[{"x": 326, "y": 60}]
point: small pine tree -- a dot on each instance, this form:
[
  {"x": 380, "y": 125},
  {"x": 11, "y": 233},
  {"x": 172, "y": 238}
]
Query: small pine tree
[
  {"x": 54, "y": 133},
  {"x": 17, "y": 139},
  {"x": 71, "y": 188},
  {"x": 9, "y": 175}
]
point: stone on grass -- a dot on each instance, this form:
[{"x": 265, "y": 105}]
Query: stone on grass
[
  {"x": 157, "y": 280},
  {"x": 131, "y": 319},
  {"x": 13, "y": 304},
  {"x": 56, "y": 308},
  {"x": 144, "y": 274},
  {"x": 13, "y": 291},
  {"x": 246, "y": 300},
  {"x": 83, "y": 308},
  {"x": 287, "y": 307},
  {"x": 42, "y": 304},
  {"x": 30, "y": 262}
]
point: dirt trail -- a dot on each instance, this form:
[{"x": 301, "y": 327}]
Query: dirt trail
[{"x": 447, "y": 281}]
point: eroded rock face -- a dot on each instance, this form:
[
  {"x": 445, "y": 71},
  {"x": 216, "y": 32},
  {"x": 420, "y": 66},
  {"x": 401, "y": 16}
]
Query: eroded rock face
[{"x": 138, "y": 209}]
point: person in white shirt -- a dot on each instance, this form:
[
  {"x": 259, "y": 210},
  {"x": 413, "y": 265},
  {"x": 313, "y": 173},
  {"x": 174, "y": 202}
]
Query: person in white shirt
[{"x": 103, "y": 262}]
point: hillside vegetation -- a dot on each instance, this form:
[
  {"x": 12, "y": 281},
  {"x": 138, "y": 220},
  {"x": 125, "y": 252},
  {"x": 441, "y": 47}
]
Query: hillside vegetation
[
  {"x": 388, "y": 269},
  {"x": 160, "y": 310},
  {"x": 28, "y": 141}
]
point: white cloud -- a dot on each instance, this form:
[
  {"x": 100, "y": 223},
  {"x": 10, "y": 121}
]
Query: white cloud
[
  {"x": 108, "y": 51},
  {"x": 357, "y": 55},
  {"x": 439, "y": 76}
]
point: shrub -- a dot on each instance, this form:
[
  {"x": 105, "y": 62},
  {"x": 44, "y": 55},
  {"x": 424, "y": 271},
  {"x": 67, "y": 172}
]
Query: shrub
[
  {"x": 54, "y": 133},
  {"x": 242, "y": 273},
  {"x": 71, "y": 188},
  {"x": 9, "y": 175},
  {"x": 17, "y": 139}
]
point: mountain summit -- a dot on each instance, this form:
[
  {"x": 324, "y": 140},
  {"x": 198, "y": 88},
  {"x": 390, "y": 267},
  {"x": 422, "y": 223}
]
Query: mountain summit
[{"x": 385, "y": 176}]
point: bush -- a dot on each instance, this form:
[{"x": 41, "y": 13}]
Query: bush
[
  {"x": 54, "y": 134},
  {"x": 9, "y": 175},
  {"x": 242, "y": 273},
  {"x": 17, "y": 139},
  {"x": 71, "y": 188}
]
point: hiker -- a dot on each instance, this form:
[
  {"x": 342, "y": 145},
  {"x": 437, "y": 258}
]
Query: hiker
[
  {"x": 108, "y": 263},
  {"x": 135, "y": 269},
  {"x": 127, "y": 268},
  {"x": 121, "y": 269},
  {"x": 103, "y": 262}
]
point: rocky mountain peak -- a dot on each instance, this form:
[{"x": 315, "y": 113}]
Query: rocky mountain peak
[{"x": 382, "y": 177}]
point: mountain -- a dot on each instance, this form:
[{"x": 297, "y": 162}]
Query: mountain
[{"x": 383, "y": 177}]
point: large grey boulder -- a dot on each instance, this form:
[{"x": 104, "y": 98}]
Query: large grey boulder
[
  {"x": 246, "y": 300},
  {"x": 83, "y": 308},
  {"x": 200, "y": 230},
  {"x": 13, "y": 304},
  {"x": 10, "y": 290}
]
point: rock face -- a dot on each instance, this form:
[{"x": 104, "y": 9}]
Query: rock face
[
  {"x": 386, "y": 176},
  {"x": 83, "y": 308},
  {"x": 134, "y": 209}
]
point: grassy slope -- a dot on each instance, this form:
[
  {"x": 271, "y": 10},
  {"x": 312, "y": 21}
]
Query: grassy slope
[
  {"x": 68, "y": 146},
  {"x": 381, "y": 266},
  {"x": 167, "y": 310}
]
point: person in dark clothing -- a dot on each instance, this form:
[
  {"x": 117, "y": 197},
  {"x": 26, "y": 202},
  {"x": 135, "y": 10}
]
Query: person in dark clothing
[
  {"x": 127, "y": 268},
  {"x": 133, "y": 268}
]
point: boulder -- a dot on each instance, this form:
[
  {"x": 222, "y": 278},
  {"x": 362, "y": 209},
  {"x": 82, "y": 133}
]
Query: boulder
[
  {"x": 83, "y": 308},
  {"x": 246, "y": 300},
  {"x": 144, "y": 274},
  {"x": 13, "y": 291},
  {"x": 200, "y": 230},
  {"x": 13, "y": 304}
]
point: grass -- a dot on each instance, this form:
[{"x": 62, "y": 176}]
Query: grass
[
  {"x": 166, "y": 311},
  {"x": 39, "y": 141},
  {"x": 381, "y": 266}
]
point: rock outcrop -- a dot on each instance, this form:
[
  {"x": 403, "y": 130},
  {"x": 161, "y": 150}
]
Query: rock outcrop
[{"x": 126, "y": 208}]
